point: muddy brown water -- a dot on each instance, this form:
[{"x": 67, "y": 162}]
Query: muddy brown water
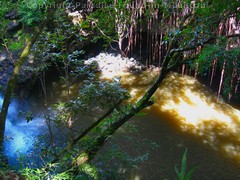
[{"x": 186, "y": 114}]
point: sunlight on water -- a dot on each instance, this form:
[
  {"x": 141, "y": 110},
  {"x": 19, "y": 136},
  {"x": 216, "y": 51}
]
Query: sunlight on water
[
  {"x": 197, "y": 111},
  {"x": 191, "y": 108}
]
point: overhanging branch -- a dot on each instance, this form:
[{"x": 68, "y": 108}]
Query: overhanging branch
[{"x": 193, "y": 46}]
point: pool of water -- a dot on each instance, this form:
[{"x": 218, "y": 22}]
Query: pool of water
[
  {"x": 21, "y": 135},
  {"x": 186, "y": 114}
]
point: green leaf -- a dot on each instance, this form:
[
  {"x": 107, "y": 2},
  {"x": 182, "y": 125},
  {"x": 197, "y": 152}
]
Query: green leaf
[
  {"x": 16, "y": 46},
  {"x": 183, "y": 174},
  {"x": 184, "y": 163},
  {"x": 190, "y": 173},
  {"x": 176, "y": 170}
]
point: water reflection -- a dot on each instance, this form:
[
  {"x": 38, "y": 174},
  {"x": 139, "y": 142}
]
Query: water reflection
[
  {"x": 19, "y": 135},
  {"x": 192, "y": 108}
]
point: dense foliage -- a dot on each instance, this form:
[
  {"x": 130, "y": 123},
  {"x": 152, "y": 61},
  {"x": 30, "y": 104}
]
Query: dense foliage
[{"x": 165, "y": 33}]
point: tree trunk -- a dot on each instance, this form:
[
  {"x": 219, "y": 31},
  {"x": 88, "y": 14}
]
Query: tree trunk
[
  {"x": 13, "y": 79},
  {"x": 12, "y": 83}
]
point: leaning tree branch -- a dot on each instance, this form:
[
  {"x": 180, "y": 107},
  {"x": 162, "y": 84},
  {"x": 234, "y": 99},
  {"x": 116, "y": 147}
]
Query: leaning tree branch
[
  {"x": 233, "y": 35},
  {"x": 88, "y": 153},
  {"x": 192, "y": 47},
  {"x": 207, "y": 41},
  {"x": 80, "y": 136}
]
